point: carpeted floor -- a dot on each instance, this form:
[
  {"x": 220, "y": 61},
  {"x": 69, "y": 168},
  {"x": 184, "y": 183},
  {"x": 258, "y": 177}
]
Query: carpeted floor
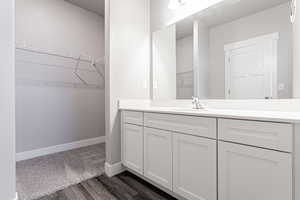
[
  {"x": 125, "y": 186},
  {"x": 46, "y": 175}
]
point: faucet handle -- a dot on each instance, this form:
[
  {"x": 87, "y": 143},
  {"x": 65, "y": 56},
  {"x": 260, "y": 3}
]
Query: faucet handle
[
  {"x": 197, "y": 103},
  {"x": 195, "y": 99}
]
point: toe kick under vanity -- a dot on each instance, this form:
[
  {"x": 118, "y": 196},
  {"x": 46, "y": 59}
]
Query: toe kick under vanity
[{"x": 199, "y": 157}]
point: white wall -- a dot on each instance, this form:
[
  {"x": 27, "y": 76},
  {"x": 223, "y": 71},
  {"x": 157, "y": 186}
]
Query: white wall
[
  {"x": 184, "y": 54},
  {"x": 50, "y": 115},
  {"x": 296, "y": 64},
  {"x": 59, "y": 26},
  {"x": 184, "y": 67},
  {"x": 269, "y": 21},
  {"x": 164, "y": 63},
  {"x": 127, "y": 63},
  {"x": 201, "y": 56},
  {"x": 7, "y": 101}
]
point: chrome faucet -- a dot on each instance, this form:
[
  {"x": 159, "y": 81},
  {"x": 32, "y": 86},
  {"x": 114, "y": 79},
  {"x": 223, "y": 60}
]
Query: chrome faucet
[{"x": 197, "y": 104}]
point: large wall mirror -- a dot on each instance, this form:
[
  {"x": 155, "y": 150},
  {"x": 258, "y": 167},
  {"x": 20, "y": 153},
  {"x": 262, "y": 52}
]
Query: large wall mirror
[{"x": 238, "y": 49}]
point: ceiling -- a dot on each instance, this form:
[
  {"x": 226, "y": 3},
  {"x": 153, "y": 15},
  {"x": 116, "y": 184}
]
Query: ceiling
[
  {"x": 230, "y": 10},
  {"x": 225, "y": 12},
  {"x": 97, "y": 6}
]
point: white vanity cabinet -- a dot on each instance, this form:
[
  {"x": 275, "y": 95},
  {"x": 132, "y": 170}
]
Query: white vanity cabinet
[
  {"x": 277, "y": 136},
  {"x": 197, "y": 126},
  {"x": 158, "y": 156},
  {"x": 206, "y": 158},
  {"x": 249, "y": 173},
  {"x": 133, "y": 147},
  {"x": 132, "y": 141},
  {"x": 194, "y": 167},
  {"x": 260, "y": 165}
]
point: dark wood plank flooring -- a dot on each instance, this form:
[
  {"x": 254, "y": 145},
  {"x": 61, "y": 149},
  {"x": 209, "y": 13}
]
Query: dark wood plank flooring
[{"x": 125, "y": 186}]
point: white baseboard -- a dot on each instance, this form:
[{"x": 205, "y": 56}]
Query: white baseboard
[
  {"x": 17, "y": 197},
  {"x": 58, "y": 148},
  {"x": 115, "y": 169}
]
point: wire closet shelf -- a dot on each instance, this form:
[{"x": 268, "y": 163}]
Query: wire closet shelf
[{"x": 37, "y": 66}]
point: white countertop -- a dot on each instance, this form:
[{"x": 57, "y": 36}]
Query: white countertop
[{"x": 258, "y": 115}]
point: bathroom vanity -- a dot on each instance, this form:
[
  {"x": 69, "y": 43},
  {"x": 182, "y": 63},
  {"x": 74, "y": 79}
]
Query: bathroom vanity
[
  {"x": 210, "y": 155},
  {"x": 236, "y": 54}
]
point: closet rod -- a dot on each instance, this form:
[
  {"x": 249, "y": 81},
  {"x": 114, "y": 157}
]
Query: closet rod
[{"x": 52, "y": 54}]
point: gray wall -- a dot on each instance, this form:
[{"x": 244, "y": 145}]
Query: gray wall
[
  {"x": 7, "y": 101},
  {"x": 54, "y": 115},
  {"x": 269, "y": 21},
  {"x": 296, "y": 66},
  {"x": 127, "y": 63},
  {"x": 184, "y": 68}
]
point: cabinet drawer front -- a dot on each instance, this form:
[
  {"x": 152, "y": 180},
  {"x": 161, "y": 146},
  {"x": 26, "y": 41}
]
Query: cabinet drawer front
[
  {"x": 248, "y": 173},
  {"x": 198, "y": 126},
  {"x": 276, "y": 136},
  {"x": 133, "y": 117}
]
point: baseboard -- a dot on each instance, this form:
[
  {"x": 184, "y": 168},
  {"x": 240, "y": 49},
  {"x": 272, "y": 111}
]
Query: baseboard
[
  {"x": 17, "y": 197},
  {"x": 115, "y": 169},
  {"x": 58, "y": 148}
]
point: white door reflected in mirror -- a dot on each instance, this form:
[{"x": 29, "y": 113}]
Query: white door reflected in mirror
[{"x": 252, "y": 64}]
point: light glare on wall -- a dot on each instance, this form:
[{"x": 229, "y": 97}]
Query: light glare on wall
[
  {"x": 186, "y": 8},
  {"x": 174, "y": 4},
  {"x": 293, "y": 10}
]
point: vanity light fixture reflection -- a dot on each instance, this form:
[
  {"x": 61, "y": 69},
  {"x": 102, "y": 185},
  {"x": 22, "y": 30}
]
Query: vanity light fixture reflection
[{"x": 293, "y": 10}]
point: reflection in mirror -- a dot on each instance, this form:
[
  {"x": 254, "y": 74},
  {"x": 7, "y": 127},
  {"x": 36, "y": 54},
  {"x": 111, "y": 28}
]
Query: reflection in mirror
[
  {"x": 184, "y": 59},
  {"x": 236, "y": 50}
]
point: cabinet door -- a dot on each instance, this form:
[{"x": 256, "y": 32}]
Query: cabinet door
[
  {"x": 248, "y": 173},
  {"x": 158, "y": 156},
  {"x": 133, "y": 147},
  {"x": 194, "y": 167}
]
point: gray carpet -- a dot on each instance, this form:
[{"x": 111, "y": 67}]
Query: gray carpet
[
  {"x": 46, "y": 175},
  {"x": 125, "y": 186}
]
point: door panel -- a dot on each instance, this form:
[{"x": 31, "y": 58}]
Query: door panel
[
  {"x": 158, "y": 156},
  {"x": 249, "y": 173},
  {"x": 247, "y": 71},
  {"x": 133, "y": 147},
  {"x": 251, "y": 68},
  {"x": 194, "y": 167}
]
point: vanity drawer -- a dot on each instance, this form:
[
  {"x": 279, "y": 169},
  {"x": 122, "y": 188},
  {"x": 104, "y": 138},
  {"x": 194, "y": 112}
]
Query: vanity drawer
[
  {"x": 278, "y": 136},
  {"x": 132, "y": 117},
  {"x": 198, "y": 126}
]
